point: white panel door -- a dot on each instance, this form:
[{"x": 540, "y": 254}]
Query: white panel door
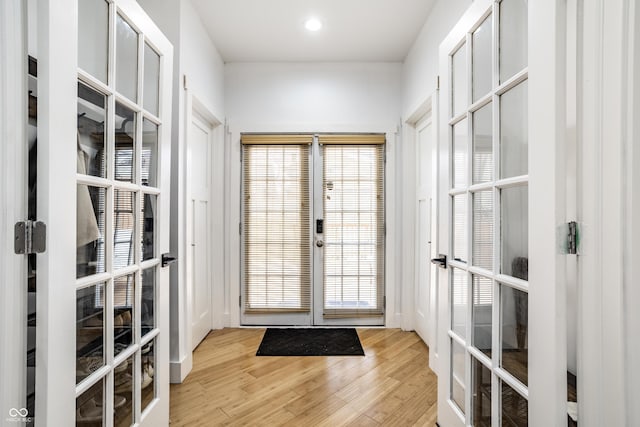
[
  {"x": 104, "y": 130},
  {"x": 199, "y": 270},
  {"x": 425, "y": 176}
]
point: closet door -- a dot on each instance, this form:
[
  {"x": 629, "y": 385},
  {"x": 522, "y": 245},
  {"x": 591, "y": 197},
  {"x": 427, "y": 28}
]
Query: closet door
[{"x": 103, "y": 191}]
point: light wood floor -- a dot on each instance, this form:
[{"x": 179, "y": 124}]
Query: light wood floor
[{"x": 391, "y": 386}]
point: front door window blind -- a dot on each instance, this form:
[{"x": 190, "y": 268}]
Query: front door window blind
[
  {"x": 353, "y": 200},
  {"x": 276, "y": 223}
]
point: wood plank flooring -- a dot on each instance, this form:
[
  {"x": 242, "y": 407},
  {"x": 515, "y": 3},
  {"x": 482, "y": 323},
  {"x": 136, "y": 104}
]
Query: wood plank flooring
[{"x": 391, "y": 386}]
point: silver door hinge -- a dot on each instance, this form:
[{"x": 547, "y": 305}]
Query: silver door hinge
[
  {"x": 184, "y": 82},
  {"x": 384, "y": 302},
  {"x": 30, "y": 237},
  {"x": 240, "y": 228},
  {"x": 572, "y": 238},
  {"x": 239, "y": 300},
  {"x": 437, "y": 82}
]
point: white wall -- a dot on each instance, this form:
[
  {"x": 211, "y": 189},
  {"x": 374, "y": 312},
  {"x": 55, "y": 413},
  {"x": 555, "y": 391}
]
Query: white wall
[
  {"x": 420, "y": 68},
  {"x": 197, "y": 57},
  {"x": 311, "y": 97}
]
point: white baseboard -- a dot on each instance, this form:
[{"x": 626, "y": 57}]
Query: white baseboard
[{"x": 178, "y": 371}]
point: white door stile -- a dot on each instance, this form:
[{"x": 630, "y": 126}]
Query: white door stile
[{"x": 13, "y": 185}]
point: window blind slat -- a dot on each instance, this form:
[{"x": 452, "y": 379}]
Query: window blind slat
[
  {"x": 353, "y": 200},
  {"x": 351, "y": 139},
  {"x": 276, "y": 224}
]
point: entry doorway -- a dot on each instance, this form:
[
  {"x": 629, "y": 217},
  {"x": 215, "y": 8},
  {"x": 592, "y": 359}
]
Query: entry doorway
[{"x": 312, "y": 229}]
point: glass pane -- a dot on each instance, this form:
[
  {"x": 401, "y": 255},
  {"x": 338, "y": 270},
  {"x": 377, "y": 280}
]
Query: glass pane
[
  {"x": 93, "y": 37},
  {"x": 125, "y": 143},
  {"x": 123, "y": 312},
  {"x": 459, "y": 81},
  {"x": 482, "y": 59},
  {"x": 515, "y": 408},
  {"x": 514, "y": 233},
  {"x": 459, "y": 302},
  {"x": 148, "y": 367},
  {"x": 514, "y": 129},
  {"x": 89, "y": 406},
  {"x": 126, "y": 59},
  {"x": 513, "y": 37},
  {"x": 89, "y": 330},
  {"x": 460, "y": 150},
  {"x": 148, "y": 226},
  {"x": 149, "y": 153},
  {"x": 482, "y": 311},
  {"x": 91, "y": 136},
  {"x": 90, "y": 230},
  {"x": 483, "y": 229},
  {"x": 457, "y": 374},
  {"x": 147, "y": 307},
  {"x": 123, "y": 393},
  {"x": 460, "y": 227},
  {"x": 483, "y": 144},
  {"x": 123, "y": 228},
  {"x": 514, "y": 314},
  {"x": 481, "y": 399},
  {"x": 151, "y": 79}
]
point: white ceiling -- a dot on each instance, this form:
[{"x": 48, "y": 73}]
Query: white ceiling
[{"x": 273, "y": 30}]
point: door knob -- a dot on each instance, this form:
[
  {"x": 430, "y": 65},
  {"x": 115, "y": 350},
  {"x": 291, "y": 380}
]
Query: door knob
[
  {"x": 319, "y": 243},
  {"x": 441, "y": 262}
]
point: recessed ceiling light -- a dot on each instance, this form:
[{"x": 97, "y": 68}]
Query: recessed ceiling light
[{"x": 313, "y": 24}]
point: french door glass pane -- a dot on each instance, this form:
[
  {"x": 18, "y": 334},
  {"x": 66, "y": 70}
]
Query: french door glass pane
[
  {"x": 460, "y": 151},
  {"x": 90, "y": 331},
  {"x": 459, "y": 302},
  {"x": 149, "y": 153},
  {"x": 147, "y": 366},
  {"x": 514, "y": 232},
  {"x": 352, "y": 195},
  {"x": 276, "y": 219},
  {"x": 148, "y": 226},
  {"x": 90, "y": 230},
  {"x": 125, "y": 143},
  {"x": 483, "y": 229},
  {"x": 460, "y": 227},
  {"x": 123, "y": 228},
  {"x": 514, "y": 136},
  {"x": 91, "y": 136},
  {"x": 151, "y": 79},
  {"x": 482, "y": 59},
  {"x": 147, "y": 308},
  {"x": 123, "y": 393},
  {"x": 459, "y": 83},
  {"x": 482, "y": 314},
  {"x": 123, "y": 312},
  {"x": 513, "y": 37},
  {"x": 514, "y": 312},
  {"x": 126, "y": 59},
  {"x": 481, "y": 398},
  {"x": 90, "y": 405},
  {"x": 515, "y": 408},
  {"x": 483, "y": 144},
  {"x": 458, "y": 375},
  {"x": 93, "y": 37}
]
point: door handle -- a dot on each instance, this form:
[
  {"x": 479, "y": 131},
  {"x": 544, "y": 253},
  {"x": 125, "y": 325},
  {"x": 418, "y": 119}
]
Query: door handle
[
  {"x": 168, "y": 259},
  {"x": 440, "y": 262},
  {"x": 319, "y": 243}
]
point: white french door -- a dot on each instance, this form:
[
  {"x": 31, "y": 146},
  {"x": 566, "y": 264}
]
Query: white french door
[
  {"x": 104, "y": 114},
  {"x": 313, "y": 230}
]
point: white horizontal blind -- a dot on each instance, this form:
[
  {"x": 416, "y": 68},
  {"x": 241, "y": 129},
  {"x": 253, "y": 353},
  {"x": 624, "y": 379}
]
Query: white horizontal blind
[
  {"x": 276, "y": 224},
  {"x": 353, "y": 198}
]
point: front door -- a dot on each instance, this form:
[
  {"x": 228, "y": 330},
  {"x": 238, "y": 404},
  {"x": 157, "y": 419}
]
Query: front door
[
  {"x": 104, "y": 114},
  {"x": 313, "y": 230}
]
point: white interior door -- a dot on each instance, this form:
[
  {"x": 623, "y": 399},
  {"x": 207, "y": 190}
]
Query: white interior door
[
  {"x": 104, "y": 114},
  {"x": 200, "y": 251},
  {"x": 485, "y": 318},
  {"x": 424, "y": 215}
]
